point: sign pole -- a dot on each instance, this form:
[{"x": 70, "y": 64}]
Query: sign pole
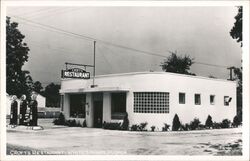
[{"x": 94, "y": 67}]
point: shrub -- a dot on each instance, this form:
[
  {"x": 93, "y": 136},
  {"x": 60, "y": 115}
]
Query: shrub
[
  {"x": 216, "y": 125},
  {"x": 152, "y": 128},
  {"x": 236, "y": 121},
  {"x": 225, "y": 123},
  {"x": 60, "y": 120},
  {"x": 125, "y": 123},
  {"x": 185, "y": 127},
  {"x": 201, "y": 127},
  {"x": 84, "y": 124},
  {"x": 112, "y": 125},
  {"x": 176, "y": 123},
  {"x": 194, "y": 124},
  {"x": 78, "y": 124},
  {"x": 135, "y": 127},
  {"x": 142, "y": 126},
  {"x": 209, "y": 122},
  {"x": 166, "y": 127},
  {"x": 71, "y": 123}
]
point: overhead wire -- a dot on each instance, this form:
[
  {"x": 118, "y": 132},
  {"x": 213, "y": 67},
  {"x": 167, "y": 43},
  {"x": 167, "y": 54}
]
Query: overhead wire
[{"x": 88, "y": 38}]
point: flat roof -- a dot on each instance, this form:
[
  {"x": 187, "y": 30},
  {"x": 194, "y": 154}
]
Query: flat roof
[
  {"x": 96, "y": 89},
  {"x": 163, "y": 73}
]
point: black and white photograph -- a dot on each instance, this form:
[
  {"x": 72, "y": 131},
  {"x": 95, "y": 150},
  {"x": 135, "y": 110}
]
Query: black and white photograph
[{"x": 155, "y": 81}]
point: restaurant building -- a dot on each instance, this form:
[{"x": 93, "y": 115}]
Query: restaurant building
[{"x": 152, "y": 97}]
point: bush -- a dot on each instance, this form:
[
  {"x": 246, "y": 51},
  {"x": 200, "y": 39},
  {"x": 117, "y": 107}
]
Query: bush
[
  {"x": 125, "y": 123},
  {"x": 142, "y": 126},
  {"x": 236, "y": 121},
  {"x": 60, "y": 120},
  {"x": 71, "y": 123},
  {"x": 84, "y": 124},
  {"x": 78, "y": 124},
  {"x": 209, "y": 122},
  {"x": 185, "y": 127},
  {"x": 176, "y": 123},
  {"x": 135, "y": 127},
  {"x": 225, "y": 123},
  {"x": 111, "y": 125},
  {"x": 194, "y": 124},
  {"x": 201, "y": 127},
  {"x": 216, "y": 125},
  {"x": 152, "y": 128},
  {"x": 166, "y": 127}
]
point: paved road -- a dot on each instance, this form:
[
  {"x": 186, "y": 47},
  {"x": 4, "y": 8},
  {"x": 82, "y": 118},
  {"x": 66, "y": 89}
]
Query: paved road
[{"x": 77, "y": 140}]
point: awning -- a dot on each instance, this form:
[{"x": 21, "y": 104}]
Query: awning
[{"x": 96, "y": 89}]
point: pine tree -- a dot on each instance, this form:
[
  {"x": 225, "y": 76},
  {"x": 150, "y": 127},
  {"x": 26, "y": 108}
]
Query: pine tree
[
  {"x": 209, "y": 122},
  {"x": 176, "y": 123}
]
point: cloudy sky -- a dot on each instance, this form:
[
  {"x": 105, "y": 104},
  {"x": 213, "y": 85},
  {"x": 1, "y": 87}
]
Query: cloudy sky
[{"x": 201, "y": 32}]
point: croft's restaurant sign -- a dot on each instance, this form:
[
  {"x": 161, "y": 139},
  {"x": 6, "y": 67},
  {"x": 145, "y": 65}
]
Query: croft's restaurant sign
[{"x": 75, "y": 73}]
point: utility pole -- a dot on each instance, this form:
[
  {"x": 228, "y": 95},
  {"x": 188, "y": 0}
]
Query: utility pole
[
  {"x": 93, "y": 85},
  {"x": 231, "y": 72}
]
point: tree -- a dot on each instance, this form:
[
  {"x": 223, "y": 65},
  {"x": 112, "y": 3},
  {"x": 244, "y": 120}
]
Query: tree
[
  {"x": 16, "y": 56},
  {"x": 236, "y": 31},
  {"x": 52, "y": 95},
  {"x": 37, "y": 87},
  {"x": 176, "y": 123},
  {"x": 209, "y": 122},
  {"x": 194, "y": 124},
  {"x": 177, "y": 64}
]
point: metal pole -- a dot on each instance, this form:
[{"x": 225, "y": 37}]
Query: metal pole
[
  {"x": 94, "y": 66},
  {"x": 231, "y": 72}
]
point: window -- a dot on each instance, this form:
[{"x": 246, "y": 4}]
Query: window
[
  {"x": 212, "y": 99},
  {"x": 197, "y": 99},
  {"x": 118, "y": 105},
  {"x": 151, "y": 102},
  {"x": 182, "y": 98},
  {"x": 77, "y": 105},
  {"x": 227, "y": 100}
]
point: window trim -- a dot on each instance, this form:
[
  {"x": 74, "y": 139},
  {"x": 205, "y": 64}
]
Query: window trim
[
  {"x": 199, "y": 103},
  {"x": 183, "y": 94}
]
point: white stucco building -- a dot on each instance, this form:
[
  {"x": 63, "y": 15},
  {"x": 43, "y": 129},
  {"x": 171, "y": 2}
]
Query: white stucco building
[{"x": 152, "y": 97}]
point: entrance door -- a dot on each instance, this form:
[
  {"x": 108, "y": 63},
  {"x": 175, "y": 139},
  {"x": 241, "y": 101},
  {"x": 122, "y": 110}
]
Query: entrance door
[{"x": 98, "y": 114}]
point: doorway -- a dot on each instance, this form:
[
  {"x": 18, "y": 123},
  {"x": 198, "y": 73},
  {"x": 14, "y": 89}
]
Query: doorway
[{"x": 98, "y": 109}]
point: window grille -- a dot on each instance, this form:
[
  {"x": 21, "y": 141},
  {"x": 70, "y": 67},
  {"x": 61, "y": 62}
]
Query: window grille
[{"x": 151, "y": 102}]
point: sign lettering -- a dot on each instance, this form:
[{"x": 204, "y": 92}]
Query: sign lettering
[{"x": 75, "y": 73}]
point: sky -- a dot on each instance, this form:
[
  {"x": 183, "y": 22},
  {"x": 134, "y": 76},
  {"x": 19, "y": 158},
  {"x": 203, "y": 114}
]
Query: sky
[{"x": 200, "y": 32}]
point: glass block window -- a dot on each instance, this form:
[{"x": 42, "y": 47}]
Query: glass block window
[{"x": 151, "y": 102}]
